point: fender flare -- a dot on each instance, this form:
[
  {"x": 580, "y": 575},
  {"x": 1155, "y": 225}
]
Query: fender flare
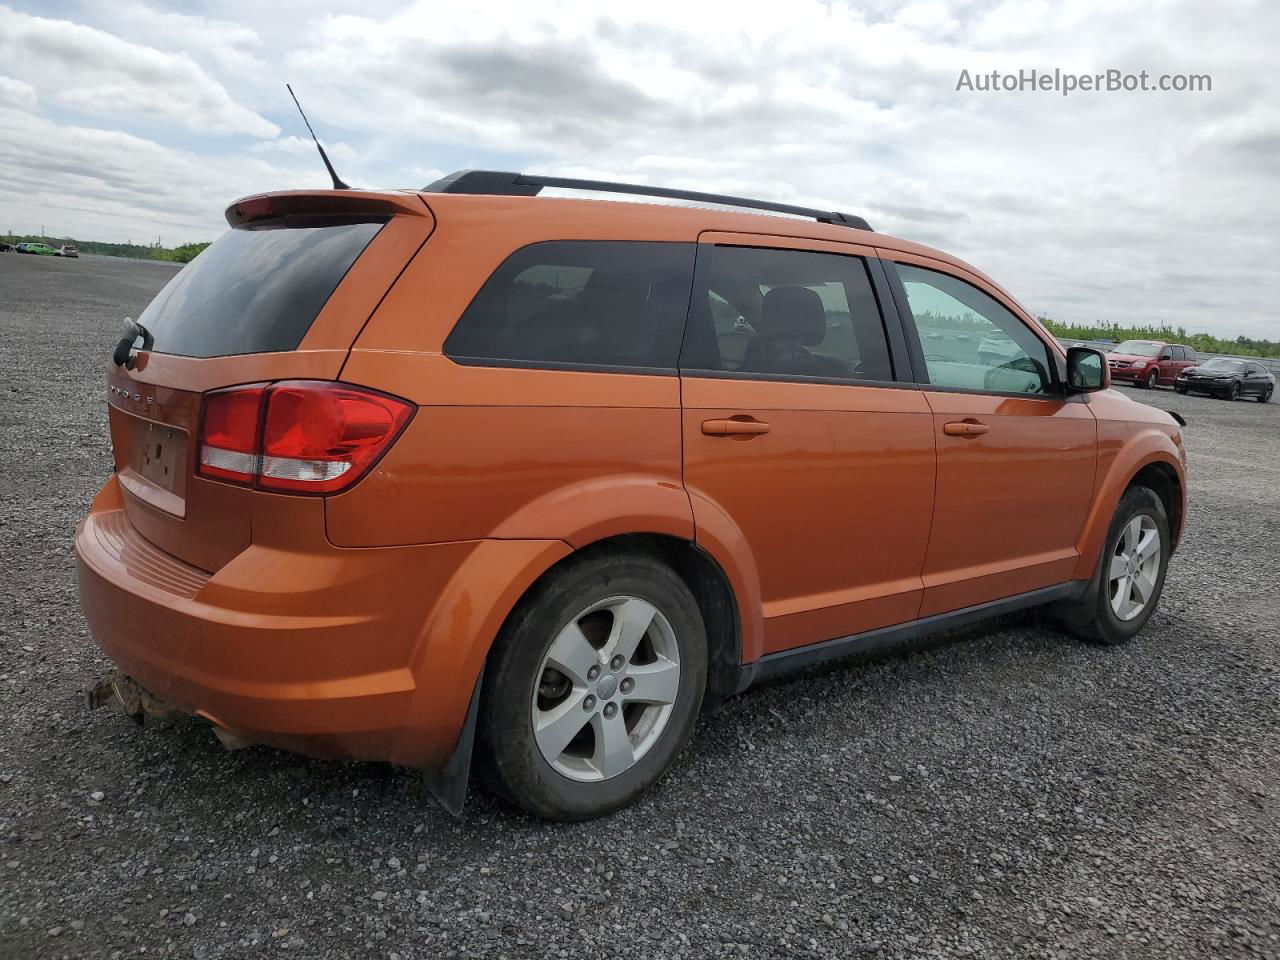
[
  {"x": 1143, "y": 448},
  {"x": 516, "y": 555}
]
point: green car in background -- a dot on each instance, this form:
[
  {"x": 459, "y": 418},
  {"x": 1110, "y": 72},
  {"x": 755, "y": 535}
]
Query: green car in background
[{"x": 40, "y": 249}]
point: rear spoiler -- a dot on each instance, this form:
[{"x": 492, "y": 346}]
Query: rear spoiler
[{"x": 324, "y": 204}]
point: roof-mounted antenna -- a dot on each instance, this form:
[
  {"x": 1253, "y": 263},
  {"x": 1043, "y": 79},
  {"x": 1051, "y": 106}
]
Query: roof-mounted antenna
[{"x": 337, "y": 182}]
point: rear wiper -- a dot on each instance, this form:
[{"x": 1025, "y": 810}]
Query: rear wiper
[{"x": 123, "y": 353}]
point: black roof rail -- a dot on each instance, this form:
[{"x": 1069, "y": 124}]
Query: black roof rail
[{"x": 503, "y": 183}]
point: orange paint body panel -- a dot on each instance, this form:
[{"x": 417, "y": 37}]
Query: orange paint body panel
[
  {"x": 1011, "y": 502},
  {"x": 832, "y": 504},
  {"x": 356, "y": 623}
]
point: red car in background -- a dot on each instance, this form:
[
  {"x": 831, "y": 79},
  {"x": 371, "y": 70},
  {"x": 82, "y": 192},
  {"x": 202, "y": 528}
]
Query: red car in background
[{"x": 1149, "y": 362}]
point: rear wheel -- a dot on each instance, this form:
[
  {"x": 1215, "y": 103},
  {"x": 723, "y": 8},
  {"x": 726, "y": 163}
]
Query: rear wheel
[
  {"x": 593, "y": 687},
  {"x": 1265, "y": 395},
  {"x": 1130, "y": 575},
  {"x": 1150, "y": 382}
]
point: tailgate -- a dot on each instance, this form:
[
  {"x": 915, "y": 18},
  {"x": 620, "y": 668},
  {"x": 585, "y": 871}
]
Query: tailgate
[{"x": 280, "y": 306}]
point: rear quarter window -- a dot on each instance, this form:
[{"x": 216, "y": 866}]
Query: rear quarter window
[
  {"x": 580, "y": 304},
  {"x": 254, "y": 290}
]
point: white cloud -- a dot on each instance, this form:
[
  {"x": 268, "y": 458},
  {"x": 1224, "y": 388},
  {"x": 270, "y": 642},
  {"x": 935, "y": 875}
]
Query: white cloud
[
  {"x": 107, "y": 185},
  {"x": 296, "y": 146},
  {"x": 1134, "y": 207},
  {"x": 100, "y": 74},
  {"x": 17, "y": 94},
  {"x": 1075, "y": 204}
]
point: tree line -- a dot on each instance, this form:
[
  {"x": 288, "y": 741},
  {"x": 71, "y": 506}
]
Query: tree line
[
  {"x": 1200, "y": 342},
  {"x": 972, "y": 323},
  {"x": 138, "y": 251}
]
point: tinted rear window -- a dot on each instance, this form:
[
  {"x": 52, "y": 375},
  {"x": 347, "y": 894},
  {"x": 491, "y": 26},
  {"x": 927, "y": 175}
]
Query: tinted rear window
[
  {"x": 785, "y": 313},
  {"x": 580, "y": 303},
  {"x": 254, "y": 291}
]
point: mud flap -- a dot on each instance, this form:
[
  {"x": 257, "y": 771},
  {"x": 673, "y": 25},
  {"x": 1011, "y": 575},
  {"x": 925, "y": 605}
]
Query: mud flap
[{"x": 449, "y": 784}]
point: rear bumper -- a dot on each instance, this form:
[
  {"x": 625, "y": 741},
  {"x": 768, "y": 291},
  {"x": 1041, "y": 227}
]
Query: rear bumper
[{"x": 368, "y": 654}]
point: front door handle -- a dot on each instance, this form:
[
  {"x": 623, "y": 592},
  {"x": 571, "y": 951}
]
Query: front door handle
[
  {"x": 734, "y": 428},
  {"x": 965, "y": 428}
]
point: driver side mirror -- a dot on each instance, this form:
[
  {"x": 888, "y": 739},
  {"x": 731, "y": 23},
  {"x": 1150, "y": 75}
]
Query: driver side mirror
[{"x": 1087, "y": 370}]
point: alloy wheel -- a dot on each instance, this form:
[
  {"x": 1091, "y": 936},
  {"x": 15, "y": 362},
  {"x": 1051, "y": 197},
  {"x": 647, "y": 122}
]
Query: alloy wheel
[
  {"x": 1135, "y": 567},
  {"x": 606, "y": 688}
]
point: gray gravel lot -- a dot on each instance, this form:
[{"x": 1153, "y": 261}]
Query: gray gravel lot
[{"x": 1014, "y": 794}]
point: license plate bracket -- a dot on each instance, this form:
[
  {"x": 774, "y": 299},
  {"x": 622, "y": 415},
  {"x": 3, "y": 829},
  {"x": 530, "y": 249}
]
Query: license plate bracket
[{"x": 163, "y": 455}]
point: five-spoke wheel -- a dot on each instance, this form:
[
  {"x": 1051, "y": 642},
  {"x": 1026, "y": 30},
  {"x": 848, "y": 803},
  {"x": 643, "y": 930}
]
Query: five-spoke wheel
[
  {"x": 605, "y": 688},
  {"x": 1130, "y": 573},
  {"x": 1135, "y": 567},
  {"x": 593, "y": 686}
]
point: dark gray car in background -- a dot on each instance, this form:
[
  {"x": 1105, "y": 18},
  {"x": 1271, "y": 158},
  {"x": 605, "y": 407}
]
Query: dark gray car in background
[{"x": 1227, "y": 378}]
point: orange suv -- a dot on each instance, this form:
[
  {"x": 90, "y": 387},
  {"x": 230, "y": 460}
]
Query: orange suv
[{"x": 410, "y": 475}]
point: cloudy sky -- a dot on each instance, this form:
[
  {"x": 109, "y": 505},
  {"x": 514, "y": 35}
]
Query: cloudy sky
[{"x": 137, "y": 120}]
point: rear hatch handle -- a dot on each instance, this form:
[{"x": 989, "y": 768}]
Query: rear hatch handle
[{"x": 123, "y": 354}]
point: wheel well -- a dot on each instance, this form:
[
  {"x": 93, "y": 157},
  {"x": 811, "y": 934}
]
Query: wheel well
[
  {"x": 1162, "y": 480},
  {"x": 710, "y": 588}
]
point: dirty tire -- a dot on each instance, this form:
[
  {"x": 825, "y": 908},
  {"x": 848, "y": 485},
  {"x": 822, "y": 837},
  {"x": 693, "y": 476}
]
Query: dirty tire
[
  {"x": 509, "y": 756},
  {"x": 1092, "y": 618}
]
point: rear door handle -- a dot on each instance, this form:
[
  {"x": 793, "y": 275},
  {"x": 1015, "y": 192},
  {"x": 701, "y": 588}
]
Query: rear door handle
[
  {"x": 965, "y": 428},
  {"x": 734, "y": 428}
]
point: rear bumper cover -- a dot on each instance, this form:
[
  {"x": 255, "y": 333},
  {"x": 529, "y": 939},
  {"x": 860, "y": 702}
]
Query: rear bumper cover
[{"x": 369, "y": 654}]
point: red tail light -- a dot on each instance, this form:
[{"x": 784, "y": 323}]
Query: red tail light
[
  {"x": 230, "y": 433},
  {"x": 299, "y": 435}
]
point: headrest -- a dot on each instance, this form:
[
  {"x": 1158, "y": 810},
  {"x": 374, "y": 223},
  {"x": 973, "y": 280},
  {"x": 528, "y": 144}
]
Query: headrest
[{"x": 793, "y": 314}]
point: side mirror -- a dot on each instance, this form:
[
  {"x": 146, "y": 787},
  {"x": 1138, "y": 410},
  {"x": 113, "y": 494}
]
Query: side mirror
[{"x": 1087, "y": 370}]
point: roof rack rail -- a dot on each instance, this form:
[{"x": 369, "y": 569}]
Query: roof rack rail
[{"x": 503, "y": 183}]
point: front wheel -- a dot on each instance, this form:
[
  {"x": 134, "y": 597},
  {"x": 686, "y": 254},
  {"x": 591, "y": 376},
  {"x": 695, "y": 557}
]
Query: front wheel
[
  {"x": 1150, "y": 382},
  {"x": 593, "y": 686},
  {"x": 1234, "y": 392},
  {"x": 1130, "y": 575},
  {"x": 1180, "y": 390}
]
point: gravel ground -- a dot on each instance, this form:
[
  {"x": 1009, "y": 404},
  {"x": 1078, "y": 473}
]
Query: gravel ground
[{"x": 1014, "y": 794}]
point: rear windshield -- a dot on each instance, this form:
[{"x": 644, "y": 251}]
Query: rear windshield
[{"x": 254, "y": 290}]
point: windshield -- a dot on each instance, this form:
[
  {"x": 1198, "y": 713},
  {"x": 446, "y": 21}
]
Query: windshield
[
  {"x": 1139, "y": 348},
  {"x": 1223, "y": 364},
  {"x": 254, "y": 290}
]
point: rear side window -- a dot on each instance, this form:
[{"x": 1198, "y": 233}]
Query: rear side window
[
  {"x": 580, "y": 304},
  {"x": 254, "y": 290},
  {"x": 785, "y": 314}
]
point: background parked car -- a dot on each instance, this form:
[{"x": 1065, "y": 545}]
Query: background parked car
[
  {"x": 1148, "y": 362},
  {"x": 40, "y": 249},
  {"x": 5, "y": 247},
  {"x": 68, "y": 250},
  {"x": 1227, "y": 378}
]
